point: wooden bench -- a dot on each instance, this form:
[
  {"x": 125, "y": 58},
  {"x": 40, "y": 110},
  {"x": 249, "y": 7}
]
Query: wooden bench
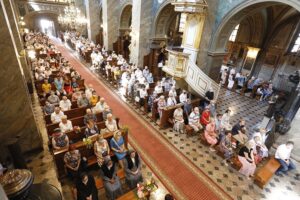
[
  {"x": 265, "y": 173},
  {"x": 73, "y": 113},
  {"x": 84, "y": 151},
  {"x": 78, "y": 121}
]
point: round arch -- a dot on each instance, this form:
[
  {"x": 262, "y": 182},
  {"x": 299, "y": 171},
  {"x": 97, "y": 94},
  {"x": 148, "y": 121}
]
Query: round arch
[
  {"x": 32, "y": 19},
  {"x": 161, "y": 19},
  {"x": 126, "y": 16},
  {"x": 236, "y": 15}
]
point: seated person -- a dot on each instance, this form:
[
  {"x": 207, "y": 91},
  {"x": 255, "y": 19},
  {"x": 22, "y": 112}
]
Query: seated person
[
  {"x": 225, "y": 121},
  {"x": 65, "y": 125},
  {"x": 111, "y": 124},
  {"x": 83, "y": 101},
  {"x": 76, "y": 95},
  {"x": 94, "y": 98},
  {"x": 91, "y": 128},
  {"x": 111, "y": 181},
  {"x": 178, "y": 120},
  {"x": 99, "y": 107},
  {"x": 46, "y": 87},
  {"x": 106, "y": 111},
  {"x": 65, "y": 104},
  {"x": 171, "y": 101},
  {"x": 59, "y": 140},
  {"x": 211, "y": 135},
  {"x": 194, "y": 120},
  {"x": 74, "y": 84},
  {"x": 239, "y": 130},
  {"x": 86, "y": 187},
  {"x": 227, "y": 146},
  {"x": 56, "y": 115},
  {"x": 48, "y": 108},
  {"x": 101, "y": 150},
  {"x": 246, "y": 157},
  {"x": 283, "y": 155},
  {"x": 89, "y": 116},
  {"x": 132, "y": 168},
  {"x": 117, "y": 145},
  {"x": 53, "y": 98},
  {"x": 158, "y": 88},
  {"x": 73, "y": 162},
  {"x": 205, "y": 116}
]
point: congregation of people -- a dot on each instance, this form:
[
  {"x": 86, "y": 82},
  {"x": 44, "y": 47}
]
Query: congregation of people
[
  {"x": 58, "y": 87},
  {"x": 233, "y": 79},
  {"x": 232, "y": 140}
]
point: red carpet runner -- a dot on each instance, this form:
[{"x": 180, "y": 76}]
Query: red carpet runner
[{"x": 177, "y": 173}]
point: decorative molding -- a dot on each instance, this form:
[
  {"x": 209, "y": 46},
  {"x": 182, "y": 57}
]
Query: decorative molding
[{"x": 190, "y": 6}]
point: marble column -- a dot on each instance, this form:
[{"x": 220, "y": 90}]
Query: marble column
[
  {"x": 13, "y": 20},
  {"x": 141, "y": 23},
  {"x": 110, "y": 22},
  {"x": 93, "y": 18},
  {"x": 17, "y": 119}
]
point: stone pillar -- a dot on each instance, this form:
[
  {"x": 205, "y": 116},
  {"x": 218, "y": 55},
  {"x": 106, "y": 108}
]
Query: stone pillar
[
  {"x": 196, "y": 14},
  {"x": 17, "y": 119},
  {"x": 110, "y": 22},
  {"x": 93, "y": 18},
  {"x": 141, "y": 23},
  {"x": 13, "y": 20},
  {"x": 214, "y": 60}
]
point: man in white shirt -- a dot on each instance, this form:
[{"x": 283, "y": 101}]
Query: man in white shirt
[
  {"x": 183, "y": 97},
  {"x": 65, "y": 125},
  {"x": 56, "y": 115},
  {"x": 283, "y": 154},
  {"x": 194, "y": 120},
  {"x": 171, "y": 101},
  {"x": 65, "y": 104}
]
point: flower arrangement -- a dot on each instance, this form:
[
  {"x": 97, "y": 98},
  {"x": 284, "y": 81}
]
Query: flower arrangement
[
  {"x": 125, "y": 128},
  {"x": 88, "y": 142},
  {"x": 144, "y": 189}
]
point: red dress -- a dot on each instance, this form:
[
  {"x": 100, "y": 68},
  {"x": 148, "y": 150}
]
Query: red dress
[{"x": 205, "y": 117}]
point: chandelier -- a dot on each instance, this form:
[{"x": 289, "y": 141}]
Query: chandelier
[{"x": 72, "y": 17}]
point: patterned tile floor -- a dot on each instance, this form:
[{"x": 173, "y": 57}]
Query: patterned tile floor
[{"x": 236, "y": 185}]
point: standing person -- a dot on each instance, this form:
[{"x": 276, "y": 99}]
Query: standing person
[
  {"x": 101, "y": 150},
  {"x": 86, "y": 188},
  {"x": 283, "y": 155},
  {"x": 73, "y": 162},
  {"x": 226, "y": 146},
  {"x": 161, "y": 103},
  {"x": 132, "y": 167}
]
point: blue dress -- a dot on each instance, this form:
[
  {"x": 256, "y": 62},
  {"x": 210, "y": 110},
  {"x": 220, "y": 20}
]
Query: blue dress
[{"x": 116, "y": 145}]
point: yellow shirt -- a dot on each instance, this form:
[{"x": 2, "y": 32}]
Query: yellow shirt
[
  {"x": 93, "y": 100},
  {"x": 46, "y": 87}
]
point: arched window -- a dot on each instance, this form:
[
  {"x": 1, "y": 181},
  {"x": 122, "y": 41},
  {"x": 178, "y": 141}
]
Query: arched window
[
  {"x": 296, "y": 45},
  {"x": 234, "y": 33}
]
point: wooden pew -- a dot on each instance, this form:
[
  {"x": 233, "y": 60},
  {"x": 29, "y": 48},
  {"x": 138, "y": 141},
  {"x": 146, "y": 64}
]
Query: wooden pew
[
  {"x": 85, "y": 152},
  {"x": 78, "y": 121},
  {"x": 167, "y": 113},
  {"x": 265, "y": 173},
  {"x": 73, "y": 113}
]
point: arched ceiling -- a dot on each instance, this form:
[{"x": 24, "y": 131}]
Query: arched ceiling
[{"x": 264, "y": 21}]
